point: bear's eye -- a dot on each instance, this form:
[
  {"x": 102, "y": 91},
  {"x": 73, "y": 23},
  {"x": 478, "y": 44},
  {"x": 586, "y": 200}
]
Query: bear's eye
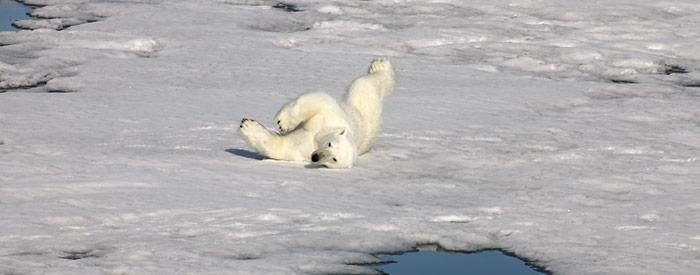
[
  {"x": 329, "y": 144},
  {"x": 335, "y": 160}
]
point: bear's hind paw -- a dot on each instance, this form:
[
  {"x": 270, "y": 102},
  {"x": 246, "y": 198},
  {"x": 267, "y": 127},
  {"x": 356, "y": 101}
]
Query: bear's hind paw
[
  {"x": 246, "y": 122},
  {"x": 252, "y": 128},
  {"x": 379, "y": 65}
]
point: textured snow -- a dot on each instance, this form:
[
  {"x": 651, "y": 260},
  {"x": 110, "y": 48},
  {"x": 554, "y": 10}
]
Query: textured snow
[{"x": 566, "y": 132}]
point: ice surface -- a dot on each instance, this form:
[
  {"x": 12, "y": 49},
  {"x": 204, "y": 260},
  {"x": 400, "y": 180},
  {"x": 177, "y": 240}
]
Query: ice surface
[{"x": 511, "y": 127}]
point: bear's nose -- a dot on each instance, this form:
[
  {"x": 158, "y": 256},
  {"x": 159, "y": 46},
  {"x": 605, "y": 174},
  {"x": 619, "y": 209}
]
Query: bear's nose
[{"x": 314, "y": 157}]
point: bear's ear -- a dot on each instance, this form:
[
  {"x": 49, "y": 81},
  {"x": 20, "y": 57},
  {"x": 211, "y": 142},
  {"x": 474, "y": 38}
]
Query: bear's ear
[{"x": 342, "y": 132}]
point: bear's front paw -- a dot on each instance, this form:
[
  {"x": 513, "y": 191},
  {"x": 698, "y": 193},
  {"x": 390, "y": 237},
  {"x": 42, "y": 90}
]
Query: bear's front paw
[{"x": 284, "y": 123}]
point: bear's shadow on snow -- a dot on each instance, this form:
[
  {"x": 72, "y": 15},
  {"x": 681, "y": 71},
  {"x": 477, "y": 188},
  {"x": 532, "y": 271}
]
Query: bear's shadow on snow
[
  {"x": 313, "y": 166},
  {"x": 256, "y": 156},
  {"x": 245, "y": 154}
]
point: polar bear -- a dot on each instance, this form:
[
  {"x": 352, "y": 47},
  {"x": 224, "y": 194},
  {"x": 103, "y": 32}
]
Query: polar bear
[{"x": 317, "y": 127}]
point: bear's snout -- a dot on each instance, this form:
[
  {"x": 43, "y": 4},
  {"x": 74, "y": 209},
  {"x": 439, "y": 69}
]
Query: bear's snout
[{"x": 314, "y": 157}]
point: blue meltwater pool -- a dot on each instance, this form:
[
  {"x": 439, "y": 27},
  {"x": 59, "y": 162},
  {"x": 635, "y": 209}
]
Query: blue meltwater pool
[
  {"x": 430, "y": 262},
  {"x": 11, "y": 11}
]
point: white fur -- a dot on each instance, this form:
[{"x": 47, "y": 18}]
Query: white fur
[{"x": 316, "y": 125}]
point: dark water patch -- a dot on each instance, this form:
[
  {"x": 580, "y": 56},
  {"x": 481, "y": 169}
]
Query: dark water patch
[
  {"x": 622, "y": 81},
  {"x": 35, "y": 87},
  {"x": 674, "y": 69},
  {"x": 286, "y": 7},
  {"x": 79, "y": 254},
  {"x": 288, "y": 22},
  {"x": 281, "y": 25},
  {"x": 450, "y": 262},
  {"x": 246, "y": 257},
  {"x": 40, "y": 87},
  {"x": 24, "y": 253},
  {"x": 58, "y": 91},
  {"x": 11, "y": 11}
]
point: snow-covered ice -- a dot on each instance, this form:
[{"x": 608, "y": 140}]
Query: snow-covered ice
[{"x": 566, "y": 132}]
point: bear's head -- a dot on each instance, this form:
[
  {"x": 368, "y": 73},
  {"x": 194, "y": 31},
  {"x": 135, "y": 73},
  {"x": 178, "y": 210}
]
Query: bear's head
[{"x": 335, "y": 150}]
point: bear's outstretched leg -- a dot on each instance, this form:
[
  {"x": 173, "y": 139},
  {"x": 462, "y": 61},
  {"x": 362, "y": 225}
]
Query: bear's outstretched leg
[
  {"x": 302, "y": 109},
  {"x": 271, "y": 145}
]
